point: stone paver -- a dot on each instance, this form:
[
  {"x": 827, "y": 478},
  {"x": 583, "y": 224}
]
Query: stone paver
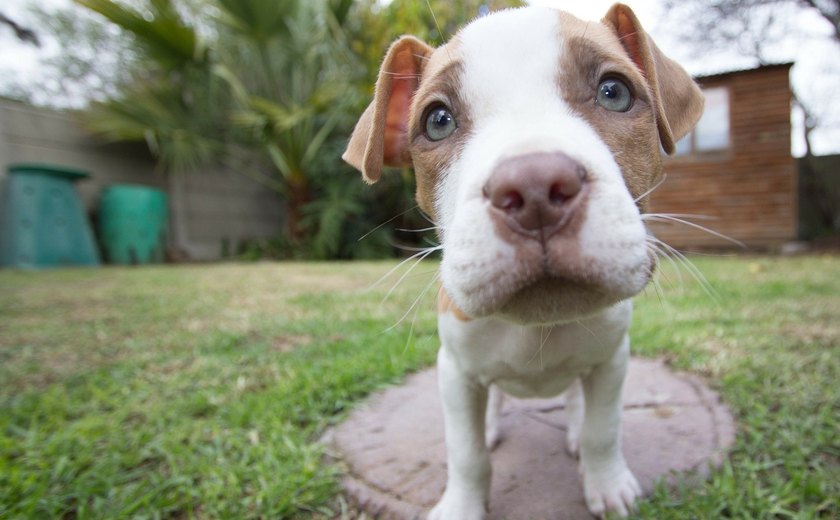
[{"x": 393, "y": 446}]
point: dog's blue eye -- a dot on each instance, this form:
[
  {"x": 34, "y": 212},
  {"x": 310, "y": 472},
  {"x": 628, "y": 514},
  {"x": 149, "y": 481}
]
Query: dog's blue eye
[
  {"x": 614, "y": 95},
  {"x": 440, "y": 124}
]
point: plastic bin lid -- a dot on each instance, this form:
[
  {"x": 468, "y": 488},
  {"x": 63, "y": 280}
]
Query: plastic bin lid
[{"x": 49, "y": 169}]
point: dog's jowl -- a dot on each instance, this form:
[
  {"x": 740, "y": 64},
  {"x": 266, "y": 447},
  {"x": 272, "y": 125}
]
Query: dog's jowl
[{"x": 535, "y": 138}]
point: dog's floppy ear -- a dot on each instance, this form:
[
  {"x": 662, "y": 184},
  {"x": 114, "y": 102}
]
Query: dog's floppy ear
[
  {"x": 381, "y": 135},
  {"x": 677, "y": 100}
]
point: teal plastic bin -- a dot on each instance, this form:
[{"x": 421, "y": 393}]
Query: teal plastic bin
[
  {"x": 42, "y": 220},
  {"x": 133, "y": 224}
]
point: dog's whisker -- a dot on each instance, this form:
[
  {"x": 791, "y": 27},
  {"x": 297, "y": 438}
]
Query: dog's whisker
[
  {"x": 401, "y": 75},
  {"x": 543, "y": 341},
  {"x": 417, "y": 300},
  {"x": 419, "y": 258},
  {"x": 661, "y": 252},
  {"x": 657, "y": 289},
  {"x": 666, "y": 218},
  {"x": 429, "y": 219},
  {"x": 587, "y": 329},
  {"x": 421, "y": 230},
  {"x": 393, "y": 269},
  {"x": 536, "y": 352},
  {"x": 655, "y": 186},
  {"x": 435, "y": 247},
  {"x": 440, "y": 32},
  {"x": 628, "y": 35},
  {"x": 388, "y": 222},
  {"x": 692, "y": 269},
  {"x": 650, "y": 216}
]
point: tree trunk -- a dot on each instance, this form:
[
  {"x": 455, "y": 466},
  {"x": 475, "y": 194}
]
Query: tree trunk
[{"x": 299, "y": 196}]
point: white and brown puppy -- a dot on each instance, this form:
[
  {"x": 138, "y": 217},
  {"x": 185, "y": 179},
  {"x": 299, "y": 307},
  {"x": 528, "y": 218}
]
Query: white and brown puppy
[{"x": 535, "y": 137}]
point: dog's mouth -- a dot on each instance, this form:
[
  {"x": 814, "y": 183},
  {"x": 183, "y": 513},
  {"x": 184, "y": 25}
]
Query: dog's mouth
[
  {"x": 551, "y": 282},
  {"x": 550, "y": 299}
]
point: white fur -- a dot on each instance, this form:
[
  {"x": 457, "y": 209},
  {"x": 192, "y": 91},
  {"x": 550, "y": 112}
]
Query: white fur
[
  {"x": 509, "y": 81},
  {"x": 516, "y": 109}
]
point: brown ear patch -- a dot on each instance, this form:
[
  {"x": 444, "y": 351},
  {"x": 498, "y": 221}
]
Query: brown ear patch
[
  {"x": 677, "y": 100},
  {"x": 628, "y": 36},
  {"x": 380, "y": 137}
]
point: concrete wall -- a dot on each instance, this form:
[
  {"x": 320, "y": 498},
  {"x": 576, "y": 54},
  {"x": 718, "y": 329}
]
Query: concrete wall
[
  {"x": 217, "y": 210},
  {"x": 208, "y": 209}
]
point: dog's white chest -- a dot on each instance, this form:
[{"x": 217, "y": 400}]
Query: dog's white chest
[{"x": 534, "y": 360}]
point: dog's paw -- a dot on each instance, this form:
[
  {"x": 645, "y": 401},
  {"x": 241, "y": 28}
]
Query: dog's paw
[
  {"x": 458, "y": 507},
  {"x": 614, "y": 491}
]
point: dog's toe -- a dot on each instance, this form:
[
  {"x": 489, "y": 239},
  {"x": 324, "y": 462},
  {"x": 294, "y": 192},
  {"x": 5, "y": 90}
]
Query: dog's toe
[
  {"x": 454, "y": 506},
  {"x": 616, "y": 493}
]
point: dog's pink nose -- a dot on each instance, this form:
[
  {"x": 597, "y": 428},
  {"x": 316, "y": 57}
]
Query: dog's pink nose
[{"x": 536, "y": 192}]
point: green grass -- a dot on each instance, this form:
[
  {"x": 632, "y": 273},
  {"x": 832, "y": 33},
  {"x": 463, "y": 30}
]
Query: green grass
[{"x": 200, "y": 392}]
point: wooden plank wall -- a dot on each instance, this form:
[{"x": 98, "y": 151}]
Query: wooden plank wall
[{"x": 748, "y": 191}]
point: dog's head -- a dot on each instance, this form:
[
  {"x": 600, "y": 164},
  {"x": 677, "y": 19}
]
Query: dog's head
[{"x": 534, "y": 137}]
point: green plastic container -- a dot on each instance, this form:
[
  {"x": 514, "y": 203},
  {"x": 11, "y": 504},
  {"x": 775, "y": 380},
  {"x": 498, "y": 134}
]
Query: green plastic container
[
  {"x": 133, "y": 222},
  {"x": 42, "y": 219}
]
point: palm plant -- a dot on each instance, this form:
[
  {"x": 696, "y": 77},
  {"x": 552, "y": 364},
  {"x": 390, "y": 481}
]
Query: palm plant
[
  {"x": 175, "y": 104},
  {"x": 273, "y": 84},
  {"x": 295, "y": 104}
]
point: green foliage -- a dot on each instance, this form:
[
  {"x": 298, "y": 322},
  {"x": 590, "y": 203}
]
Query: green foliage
[
  {"x": 168, "y": 40},
  {"x": 259, "y": 20}
]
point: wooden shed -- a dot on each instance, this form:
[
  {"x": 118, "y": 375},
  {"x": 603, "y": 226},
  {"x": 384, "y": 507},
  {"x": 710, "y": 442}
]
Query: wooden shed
[{"x": 735, "y": 169}]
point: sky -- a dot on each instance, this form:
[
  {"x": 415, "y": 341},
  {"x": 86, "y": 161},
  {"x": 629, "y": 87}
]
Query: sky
[
  {"x": 808, "y": 75},
  {"x": 17, "y": 58}
]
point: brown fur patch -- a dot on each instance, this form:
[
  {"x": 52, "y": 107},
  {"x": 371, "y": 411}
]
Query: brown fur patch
[
  {"x": 445, "y": 304},
  {"x": 591, "y": 53},
  {"x": 380, "y": 137},
  {"x": 676, "y": 99},
  {"x": 441, "y": 84}
]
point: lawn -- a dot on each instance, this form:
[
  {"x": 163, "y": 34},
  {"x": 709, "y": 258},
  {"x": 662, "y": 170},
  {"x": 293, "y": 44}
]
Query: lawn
[{"x": 200, "y": 391}]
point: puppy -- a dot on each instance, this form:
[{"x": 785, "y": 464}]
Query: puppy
[{"x": 535, "y": 138}]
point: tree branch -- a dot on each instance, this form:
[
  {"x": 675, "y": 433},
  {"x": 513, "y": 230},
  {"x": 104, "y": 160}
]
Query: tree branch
[{"x": 23, "y": 34}]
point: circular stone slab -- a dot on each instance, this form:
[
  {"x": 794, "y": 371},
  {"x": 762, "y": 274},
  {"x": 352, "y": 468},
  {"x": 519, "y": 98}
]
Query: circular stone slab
[{"x": 394, "y": 452}]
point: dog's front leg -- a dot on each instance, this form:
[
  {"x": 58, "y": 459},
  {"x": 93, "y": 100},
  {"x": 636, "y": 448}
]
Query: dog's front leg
[
  {"x": 467, "y": 457},
  {"x": 607, "y": 481}
]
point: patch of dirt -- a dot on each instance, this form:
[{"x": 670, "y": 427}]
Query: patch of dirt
[
  {"x": 812, "y": 332},
  {"x": 289, "y": 343}
]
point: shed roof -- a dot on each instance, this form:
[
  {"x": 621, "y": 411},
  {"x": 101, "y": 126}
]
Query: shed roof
[{"x": 716, "y": 75}]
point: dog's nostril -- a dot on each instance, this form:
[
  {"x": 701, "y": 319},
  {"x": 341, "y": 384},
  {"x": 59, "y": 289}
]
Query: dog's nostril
[
  {"x": 508, "y": 200},
  {"x": 559, "y": 192},
  {"x": 556, "y": 194}
]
